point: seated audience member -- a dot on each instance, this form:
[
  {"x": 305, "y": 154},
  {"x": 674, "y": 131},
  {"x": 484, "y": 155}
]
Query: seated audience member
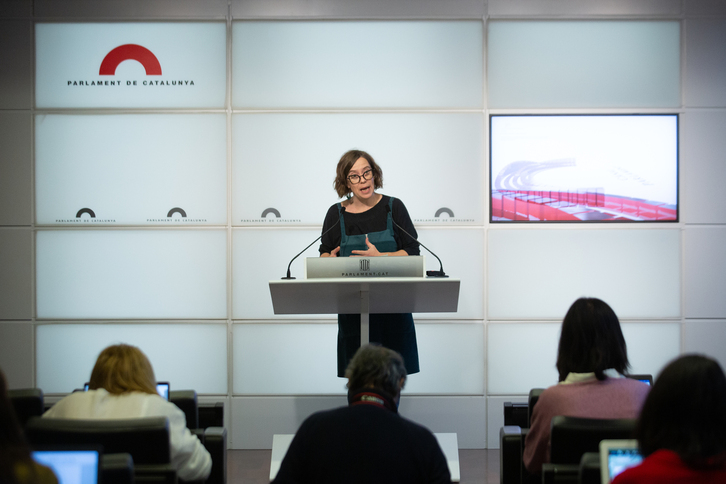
[
  {"x": 123, "y": 385},
  {"x": 16, "y": 464},
  {"x": 682, "y": 428},
  {"x": 591, "y": 361},
  {"x": 367, "y": 441}
]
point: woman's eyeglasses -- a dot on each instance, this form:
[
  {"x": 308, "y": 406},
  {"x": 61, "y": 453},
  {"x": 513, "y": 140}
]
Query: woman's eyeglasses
[{"x": 355, "y": 179}]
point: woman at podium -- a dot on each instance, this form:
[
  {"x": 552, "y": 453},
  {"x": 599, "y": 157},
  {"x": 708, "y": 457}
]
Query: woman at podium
[{"x": 368, "y": 224}]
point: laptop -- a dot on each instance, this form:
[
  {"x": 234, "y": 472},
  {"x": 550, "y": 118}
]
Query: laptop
[
  {"x": 71, "y": 464},
  {"x": 162, "y": 388},
  {"x": 616, "y": 456}
]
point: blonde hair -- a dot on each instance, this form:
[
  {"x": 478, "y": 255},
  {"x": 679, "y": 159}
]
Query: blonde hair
[{"x": 121, "y": 369}]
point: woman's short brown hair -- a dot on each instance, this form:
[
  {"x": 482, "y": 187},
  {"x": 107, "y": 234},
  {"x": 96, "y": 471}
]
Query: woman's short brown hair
[
  {"x": 346, "y": 163},
  {"x": 121, "y": 369}
]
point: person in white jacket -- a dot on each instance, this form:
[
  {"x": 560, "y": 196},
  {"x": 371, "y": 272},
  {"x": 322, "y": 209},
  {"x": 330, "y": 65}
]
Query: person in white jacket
[{"x": 123, "y": 385}]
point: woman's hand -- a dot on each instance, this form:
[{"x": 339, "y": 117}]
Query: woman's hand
[
  {"x": 370, "y": 252},
  {"x": 332, "y": 253}
]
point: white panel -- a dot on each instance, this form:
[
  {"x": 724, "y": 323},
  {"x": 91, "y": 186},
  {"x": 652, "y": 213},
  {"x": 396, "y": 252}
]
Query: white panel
[
  {"x": 256, "y": 419},
  {"x": 705, "y": 61},
  {"x": 259, "y": 256},
  {"x": 132, "y": 274},
  {"x": 129, "y": 8},
  {"x": 357, "y": 9},
  {"x": 16, "y": 275},
  {"x": 466, "y": 416},
  {"x": 521, "y": 357},
  {"x": 451, "y": 357},
  {"x": 583, "y": 64},
  {"x": 131, "y": 169},
  {"x": 706, "y": 337},
  {"x": 645, "y": 356},
  {"x": 16, "y": 168},
  {"x": 705, "y": 272},
  {"x": 495, "y": 417},
  {"x": 704, "y": 167},
  {"x": 535, "y": 274},
  {"x": 462, "y": 254},
  {"x": 357, "y": 64},
  {"x": 287, "y": 162},
  {"x": 188, "y": 356},
  {"x": 286, "y": 359},
  {"x": 529, "y": 8},
  {"x": 190, "y": 58},
  {"x": 16, "y": 353}
]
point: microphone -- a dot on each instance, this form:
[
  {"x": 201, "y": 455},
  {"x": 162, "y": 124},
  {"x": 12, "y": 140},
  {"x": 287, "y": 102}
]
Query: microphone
[
  {"x": 306, "y": 248},
  {"x": 440, "y": 272}
]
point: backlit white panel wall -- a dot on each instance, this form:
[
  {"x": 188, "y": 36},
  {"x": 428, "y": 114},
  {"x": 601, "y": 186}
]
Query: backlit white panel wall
[
  {"x": 361, "y": 64},
  {"x": 191, "y": 58},
  {"x": 451, "y": 356},
  {"x": 432, "y": 162},
  {"x": 704, "y": 172},
  {"x": 461, "y": 251},
  {"x": 259, "y": 256},
  {"x": 522, "y": 356},
  {"x": 16, "y": 338},
  {"x": 131, "y": 169},
  {"x": 534, "y": 8},
  {"x": 263, "y": 356},
  {"x": 188, "y": 356},
  {"x": 547, "y": 64},
  {"x": 705, "y": 61},
  {"x": 651, "y": 345},
  {"x": 706, "y": 337},
  {"x": 705, "y": 272},
  {"x": 539, "y": 273},
  {"x": 131, "y": 274}
]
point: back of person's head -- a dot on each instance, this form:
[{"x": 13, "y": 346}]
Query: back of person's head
[
  {"x": 121, "y": 369},
  {"x": 591, "y": 340},
  {"x": 374, "y": 366},
  {"x": 685, "y": 411}
]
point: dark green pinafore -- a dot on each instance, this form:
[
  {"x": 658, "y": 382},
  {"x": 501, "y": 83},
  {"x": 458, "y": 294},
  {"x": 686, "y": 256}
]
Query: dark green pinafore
[{"x": 394, "y": 331}]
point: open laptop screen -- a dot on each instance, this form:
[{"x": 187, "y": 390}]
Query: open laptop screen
[
  {"x": 617, "y": 456},
  {"x": 71, "y": 466},
  {"x": 162, "y": 388}
]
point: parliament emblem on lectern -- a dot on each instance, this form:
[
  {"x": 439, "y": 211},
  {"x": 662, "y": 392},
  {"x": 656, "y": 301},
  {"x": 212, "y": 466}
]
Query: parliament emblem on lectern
[{"x": 365, "y": 264}]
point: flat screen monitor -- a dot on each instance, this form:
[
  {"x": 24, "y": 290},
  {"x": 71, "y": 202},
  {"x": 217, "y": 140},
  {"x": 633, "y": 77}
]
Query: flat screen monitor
[
  {"x": 71, "y": 465},
  {"x": 584, "y": 168}
]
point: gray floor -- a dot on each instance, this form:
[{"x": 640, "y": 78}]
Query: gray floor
[{"x": 479, "y": 466}]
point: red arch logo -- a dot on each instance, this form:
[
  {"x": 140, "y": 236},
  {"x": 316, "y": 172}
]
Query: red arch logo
[{"x": 130, "y": 52}]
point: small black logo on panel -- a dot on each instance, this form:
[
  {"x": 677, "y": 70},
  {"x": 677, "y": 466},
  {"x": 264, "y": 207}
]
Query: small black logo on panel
[
  {"x": 85, "y": 210},
  {"x": 365, "y": 264},
  {"x": 178, "y": 210},
  {"x": 444, "y": 210},
  {"x": 268, "y": 211}
]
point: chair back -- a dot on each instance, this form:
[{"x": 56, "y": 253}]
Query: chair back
[
  {"x": 27, "y": 402},
  {"x": 531, "y": 402},
  {"x": 146, "y": 439},
  {"x": 571, "y": 437},
  {"x": 186, "y": 400}
]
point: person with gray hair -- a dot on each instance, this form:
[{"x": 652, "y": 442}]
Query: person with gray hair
[{"x": 367, "y": 441}]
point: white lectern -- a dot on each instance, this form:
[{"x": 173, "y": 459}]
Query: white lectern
[{"x": 365, "y": 292}]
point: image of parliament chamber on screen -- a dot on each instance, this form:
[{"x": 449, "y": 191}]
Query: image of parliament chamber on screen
[{"x": 584, "y": 168}]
